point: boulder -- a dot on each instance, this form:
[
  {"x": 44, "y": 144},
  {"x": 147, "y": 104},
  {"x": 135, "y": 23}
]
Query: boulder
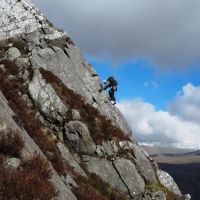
[
  {"x": 78, "y": 135},
  {"x": 22, "y": 62},
  {"x": 75, "y": 114},
  {"x": 167, "y": 181},
  {"x": 13, "y": 53},
  {"x": 187, "y": 197},
  {"x": 12, "y": 163}
]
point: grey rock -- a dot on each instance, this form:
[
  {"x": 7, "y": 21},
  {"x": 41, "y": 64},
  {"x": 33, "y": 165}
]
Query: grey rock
[
  {"x": 2, "y": 67},
  {"x": 12, "y": 163},
  {"x": 143, "y": 164},
  {"x": 13, "y": 53},
  {"x": 10, "y": 44},
  {"x": 100, "y": 151},
  {"x": 167, "y": 181},
  {"x": 11, "y": 77},
  {"x": 130, "y": 176},
  {"x": 25, "y": 74},
  {"x": 124, "y": 145},
  {"x": 107, "y": 172},
  {"x": 46, "y": 99},
  {"x": 75, "y": 114},
  {"x": 78, "y": 135},
  {"x": 69, "y": 159},
  {"x": 108, "y": 148},
  {"x": 115, "y": 147},
  {"x": 22, "y": 62},
  {"x": 186, "y": 197},
  {"x": 22, "y": 17}
]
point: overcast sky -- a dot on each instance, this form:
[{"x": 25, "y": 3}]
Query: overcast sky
[
  {"x": 166, "y": 33},
  {"x": 154, "y": 46}
]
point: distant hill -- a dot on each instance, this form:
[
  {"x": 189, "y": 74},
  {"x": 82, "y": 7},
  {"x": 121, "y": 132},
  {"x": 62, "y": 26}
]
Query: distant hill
[{"x": 173, "y": 155}]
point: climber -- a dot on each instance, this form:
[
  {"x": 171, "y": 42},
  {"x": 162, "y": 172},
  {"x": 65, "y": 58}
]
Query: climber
[{"x": 111, "y": 82}]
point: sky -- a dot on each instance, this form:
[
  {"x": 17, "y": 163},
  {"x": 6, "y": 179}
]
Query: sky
[{"x": 152, "y": 48}]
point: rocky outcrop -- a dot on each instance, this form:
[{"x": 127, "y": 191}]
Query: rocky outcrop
[
  {"x": 68, "y": 136},
  {"x": 46, "y": 99},
  {"x": 166, "y": 180}
]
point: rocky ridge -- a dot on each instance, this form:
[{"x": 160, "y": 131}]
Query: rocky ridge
[{"x": 49, "y": 94}]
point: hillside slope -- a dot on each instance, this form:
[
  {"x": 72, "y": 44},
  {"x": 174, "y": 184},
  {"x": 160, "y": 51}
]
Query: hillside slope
[{"x": 74, "y": 144}]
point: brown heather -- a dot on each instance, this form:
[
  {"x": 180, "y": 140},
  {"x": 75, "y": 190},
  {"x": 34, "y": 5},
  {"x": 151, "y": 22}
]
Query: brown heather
[
  {"x": 93, "y": 187},
  {"x": 30, "y": 182},
  {"x": 11, "y": 143}
]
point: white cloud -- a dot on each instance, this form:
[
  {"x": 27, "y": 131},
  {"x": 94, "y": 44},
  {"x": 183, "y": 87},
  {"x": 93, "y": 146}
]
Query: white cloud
[
  {"x": 153, "y": 84},
  {"x": 187, "y": 104},
  {"x": 166, "y": 33},
  {"x": 151, "y": 125}
]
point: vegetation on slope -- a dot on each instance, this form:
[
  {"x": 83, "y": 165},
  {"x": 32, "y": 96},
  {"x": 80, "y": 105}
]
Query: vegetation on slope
[
  {"x": 31, "y": 180},
  {"x": 25, "y": 116}
]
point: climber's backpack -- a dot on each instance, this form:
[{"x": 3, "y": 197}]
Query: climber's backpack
[{"x": 112, "y": 81}]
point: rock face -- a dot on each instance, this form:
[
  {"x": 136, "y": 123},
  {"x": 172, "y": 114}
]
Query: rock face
[
  {"x": 46, "y": 99},
  {"x": 64, "y": 130}
]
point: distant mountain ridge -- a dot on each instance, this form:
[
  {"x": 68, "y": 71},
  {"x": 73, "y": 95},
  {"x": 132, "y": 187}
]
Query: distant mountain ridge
[{"x": 173, "y": 155}]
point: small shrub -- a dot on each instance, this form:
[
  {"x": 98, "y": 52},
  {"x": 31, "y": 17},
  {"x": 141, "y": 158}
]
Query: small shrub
[
  {"x": 2, "y": 158},
  {"x": 27, "y": 184},
  {"x": 10, "y": 67},
  {"x": 11, "y": 143},
  {"x": 21, "y": 46},
  {"x": 38, "y": 166}
]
